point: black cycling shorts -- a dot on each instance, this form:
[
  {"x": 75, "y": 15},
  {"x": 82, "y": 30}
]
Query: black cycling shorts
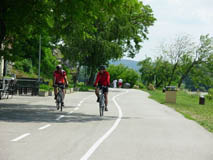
[
  {"x": 61, "y": 85},
  {"x": 106, "y": 88}
]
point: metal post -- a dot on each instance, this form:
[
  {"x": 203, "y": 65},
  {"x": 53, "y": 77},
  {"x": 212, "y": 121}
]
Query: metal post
[{"x": 39, "y": 62}]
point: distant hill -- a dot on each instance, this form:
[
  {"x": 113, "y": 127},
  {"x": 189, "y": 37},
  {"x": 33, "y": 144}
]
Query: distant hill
[{"x": 129, "y": 63}]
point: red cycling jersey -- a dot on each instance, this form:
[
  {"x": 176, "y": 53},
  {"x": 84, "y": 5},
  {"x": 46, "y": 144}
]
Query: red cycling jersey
[
  {"x": 59, "y": 76},
  {"x": 103, "y": 78}
]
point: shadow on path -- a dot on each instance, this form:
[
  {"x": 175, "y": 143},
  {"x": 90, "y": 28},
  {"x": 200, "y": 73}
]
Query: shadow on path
[{"x": 45, "y": 113}]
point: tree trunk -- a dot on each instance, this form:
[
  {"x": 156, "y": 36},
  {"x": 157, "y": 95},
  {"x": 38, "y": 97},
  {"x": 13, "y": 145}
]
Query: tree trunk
[
  {"x": 173, "y": 72},
  {"x": 92, "y": 76},
  {"x": 75, "y": 78},
  {"x": 2, "y": 32},
  {"x": 186, "y": 73},
  {"x": 158, "y": 84}
]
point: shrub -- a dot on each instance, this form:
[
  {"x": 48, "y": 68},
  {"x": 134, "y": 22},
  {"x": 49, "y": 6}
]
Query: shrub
[
  {"x": 140, "y": 84},
  {"x": 136, "y": 87},
  {"x": 151, "y": 87},
  {"x": 24, "y": 65},
  {"x": 210, "y": 94},
  {"x": 210, "y": 91},
  {"x": 45, "y": 87}
]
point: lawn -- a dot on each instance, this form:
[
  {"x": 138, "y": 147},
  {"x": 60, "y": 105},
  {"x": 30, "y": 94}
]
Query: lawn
[{"x": 188, "y": 105}]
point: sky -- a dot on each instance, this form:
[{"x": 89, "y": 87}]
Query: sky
[{"x": 176, "y": 17}]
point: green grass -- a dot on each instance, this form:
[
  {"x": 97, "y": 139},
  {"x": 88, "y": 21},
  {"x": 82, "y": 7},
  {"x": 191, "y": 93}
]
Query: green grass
[{"x": 188, "y": 105}]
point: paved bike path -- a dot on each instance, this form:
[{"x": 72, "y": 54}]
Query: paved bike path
[
  {"x": 152, "y": 131},
  {"x": 147, "y": 130}
]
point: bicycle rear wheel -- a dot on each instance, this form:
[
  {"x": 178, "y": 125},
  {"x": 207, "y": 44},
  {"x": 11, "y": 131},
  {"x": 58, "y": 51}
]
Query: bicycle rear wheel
[
  {"x": 61, "y": 106},
  {"x": 58, "y": 102},
  {"x": 57, "y": 105},
  {"x": 101, "y": 105}
]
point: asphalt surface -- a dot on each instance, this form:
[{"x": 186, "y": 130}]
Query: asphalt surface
[{"x": 135, "y": 128}]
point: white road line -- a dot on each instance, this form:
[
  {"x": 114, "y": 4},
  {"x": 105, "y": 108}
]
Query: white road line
[
  {"x": 20, "y": 137},
  {"x": 48, "y": 125},
  {"x": 107, "y": 134},
  {"x": 61, "y": 116},
  {"x": 75, "y": 109}
]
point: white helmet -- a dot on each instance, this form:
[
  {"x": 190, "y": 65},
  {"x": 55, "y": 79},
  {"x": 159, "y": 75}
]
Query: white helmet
[{"x": 59, "y": 66}]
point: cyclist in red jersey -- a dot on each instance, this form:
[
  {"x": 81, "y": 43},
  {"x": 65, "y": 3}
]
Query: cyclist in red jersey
[
  {"x": 60, "y": 78},
  {"x": 102, "y": 79}
]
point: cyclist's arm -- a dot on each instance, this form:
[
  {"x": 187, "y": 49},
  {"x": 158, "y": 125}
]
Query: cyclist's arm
[
  {"x": 66, "y": 81},
  {"x": 97, "y": 79},
  {"x": 108, "y": 79}
]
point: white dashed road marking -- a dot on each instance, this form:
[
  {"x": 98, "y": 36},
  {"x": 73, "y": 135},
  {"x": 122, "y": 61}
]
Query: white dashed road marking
[
  {"x": 20, "y": 137},
  {"x": 48, "y": 125},
  {"x": 41, "y": 128}
]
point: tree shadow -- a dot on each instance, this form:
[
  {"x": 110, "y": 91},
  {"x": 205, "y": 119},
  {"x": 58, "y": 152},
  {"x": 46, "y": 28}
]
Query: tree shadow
[{"x": 45, "y": 113}]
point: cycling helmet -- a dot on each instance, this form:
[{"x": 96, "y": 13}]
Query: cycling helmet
[
  {"x": 102, "y": 67},
  {"x": 59, "y": 67}
]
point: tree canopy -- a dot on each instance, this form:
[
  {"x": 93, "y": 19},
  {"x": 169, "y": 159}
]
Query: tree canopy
[
  {"x": 88, "y": 33},
  {"x": 182, "y": 61}
]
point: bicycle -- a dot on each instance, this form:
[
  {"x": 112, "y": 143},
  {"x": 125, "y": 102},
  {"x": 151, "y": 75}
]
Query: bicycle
[
  {"x": 101, "y": 100},
  {"x": 60, "y": 97}
]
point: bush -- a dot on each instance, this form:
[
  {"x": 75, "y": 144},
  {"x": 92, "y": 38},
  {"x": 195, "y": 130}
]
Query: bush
[
  {"x": 24, "y": 65},
  {"x": 151, "y": 87},
  {"x": 140, "y": 84},
  {"x": 83, "y": 88},
  {"x": 210, "y": 94},
  {"x": 45, "y": 87},
  {"x": 136, "y": 87},
  {"x": 128, "y": 75}
]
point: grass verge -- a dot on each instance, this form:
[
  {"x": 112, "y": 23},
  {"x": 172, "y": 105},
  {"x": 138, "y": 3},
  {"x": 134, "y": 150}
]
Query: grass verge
[{"x": 188, "y": 105}]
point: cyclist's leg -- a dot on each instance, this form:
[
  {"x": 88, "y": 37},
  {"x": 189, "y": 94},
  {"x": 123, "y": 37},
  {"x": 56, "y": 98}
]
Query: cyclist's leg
[
  {"x": 106, "y": 98},
  {"x": 64, "y": 92},
  {"x": 97, "y": 93},
  {"x": 55, "y": 92}
]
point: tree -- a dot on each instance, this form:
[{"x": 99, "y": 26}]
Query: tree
[
  {"x": 201, "y": 55},
  {"x": 19, "y": 21},
  {"x": 175, "y": 51},
  {"x": 112, "y": 29},
  {"x": 155, "y": 72},
  {"x": 162, "y": 70},
  {"x": 147, "y": 71},
  {"x": 122, "y": 72}
]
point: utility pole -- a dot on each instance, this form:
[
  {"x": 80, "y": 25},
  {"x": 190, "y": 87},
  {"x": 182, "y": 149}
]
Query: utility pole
[{"x": 39, "y": 60}]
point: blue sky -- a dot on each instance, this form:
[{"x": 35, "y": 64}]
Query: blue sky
[{"x": 176, "y": 17}]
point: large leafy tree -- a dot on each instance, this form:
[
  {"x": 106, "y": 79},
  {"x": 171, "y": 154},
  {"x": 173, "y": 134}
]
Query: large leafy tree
[
  {"x": 21, "y": 23},
  {"x": 112, "y": 29},
  {"x": 91, "y": 32}
]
